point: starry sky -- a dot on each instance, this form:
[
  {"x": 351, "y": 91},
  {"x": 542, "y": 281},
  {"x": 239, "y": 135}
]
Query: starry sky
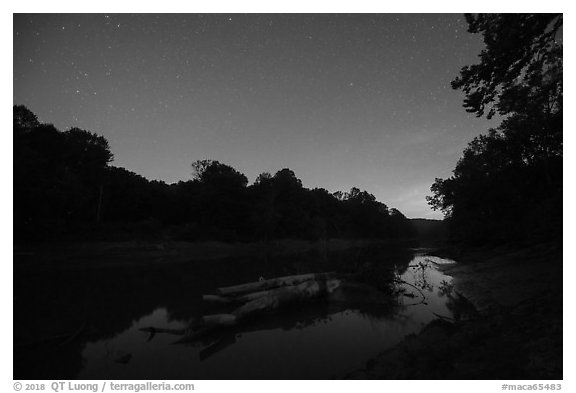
[{"x": 343, "y": 100}]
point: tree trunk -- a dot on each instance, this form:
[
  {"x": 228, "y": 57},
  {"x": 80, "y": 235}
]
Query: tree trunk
[
  {"x": 272, "y": 283},
  {"x": 274, "y": 299}
]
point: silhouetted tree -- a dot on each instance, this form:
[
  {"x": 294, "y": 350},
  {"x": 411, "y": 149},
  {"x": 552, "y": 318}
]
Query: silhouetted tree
[
  {"x": 263, "y": 217},
  {"x": 222, "y": 199},
  {"x": 24, "y": 119},
  {"x": 129, "y": 197},
  {"x": 520, "y": 68},
  {"x": 58, "y": 176},
  {"x": 217, "y": 174},
  {"x": 508, "y": 183},
  {"x": 263, "y": 178},
  {"x": 63, "y": 181}
]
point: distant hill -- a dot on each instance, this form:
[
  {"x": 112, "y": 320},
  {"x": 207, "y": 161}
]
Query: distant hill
[{"x": 430, "y": 229}]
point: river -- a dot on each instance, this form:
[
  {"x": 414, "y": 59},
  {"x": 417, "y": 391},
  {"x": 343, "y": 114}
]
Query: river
[{"x": 90, "y": 321}]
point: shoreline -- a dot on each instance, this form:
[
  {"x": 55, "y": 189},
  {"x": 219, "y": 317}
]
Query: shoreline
[
  {"x": 142, "y": 254},
  {"x": 517, "y": 333}
]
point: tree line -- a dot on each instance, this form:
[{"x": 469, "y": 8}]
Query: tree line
[
  {"x": 508, "y": 183},
  {"x": 66, "y": 188}
]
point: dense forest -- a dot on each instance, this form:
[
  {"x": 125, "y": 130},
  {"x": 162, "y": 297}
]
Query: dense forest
[
  {"x": 65, "y": 188},
  {"x": 507, "y": 185}
]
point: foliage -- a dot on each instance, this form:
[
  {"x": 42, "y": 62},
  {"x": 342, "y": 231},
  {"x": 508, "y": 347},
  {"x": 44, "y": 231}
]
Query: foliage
[
  {"x": 521, "y": 66},
  {"x": 65, "y": 187},
  {"x": 218, "y": 174},
  {"x": 508, "y": 183}
]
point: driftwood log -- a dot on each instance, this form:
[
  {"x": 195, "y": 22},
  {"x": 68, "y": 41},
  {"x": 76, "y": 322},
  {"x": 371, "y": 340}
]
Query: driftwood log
[
  {"x": 256, "y": 298},
  {"x": 235, "y": 299},
  {"x": 272, "y": 283},
  {"x": 273, "y": 299},
  {"x": 287, "y": 295}
]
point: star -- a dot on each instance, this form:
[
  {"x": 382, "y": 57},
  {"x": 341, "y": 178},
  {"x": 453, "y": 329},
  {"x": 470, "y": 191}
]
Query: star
[{"x": 266, "y": 77}]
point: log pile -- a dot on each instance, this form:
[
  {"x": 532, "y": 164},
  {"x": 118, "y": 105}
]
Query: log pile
[
  {"x": 249, "y": 299},
  {"x": 272, "y": 283},
  {"x": 267, "y": 295}
]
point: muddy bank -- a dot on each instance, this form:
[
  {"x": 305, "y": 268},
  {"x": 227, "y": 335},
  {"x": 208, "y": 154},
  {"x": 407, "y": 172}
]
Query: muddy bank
[
  {"x": 95, "y": 255},
  {"x": 517, "y": 333}
]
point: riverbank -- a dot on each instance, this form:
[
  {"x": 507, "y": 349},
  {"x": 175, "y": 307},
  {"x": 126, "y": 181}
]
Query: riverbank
[
  {"x": 517, "y": 333},
  {"x": 96, "y": 255}
]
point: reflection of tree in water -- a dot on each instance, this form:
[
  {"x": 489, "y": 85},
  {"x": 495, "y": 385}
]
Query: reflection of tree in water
[
  {"x": 420, "y": 276},
  {"x": 378, "y": 267},
  {"x": 367, "y": 289},
  {"x": 413, "y": 280},
  {"x": 102, "y": 303},
  {"x": 295, "y": 317},
  {"x": 460, "y": 307},
  {"x": 368, "y": 284}
]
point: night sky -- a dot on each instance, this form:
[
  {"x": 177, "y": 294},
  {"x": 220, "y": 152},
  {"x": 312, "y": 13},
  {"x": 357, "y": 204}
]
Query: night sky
[{"x": 342, "y": 100}]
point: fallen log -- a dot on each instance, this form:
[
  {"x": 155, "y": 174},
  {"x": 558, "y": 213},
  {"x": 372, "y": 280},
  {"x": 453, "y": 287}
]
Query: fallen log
[
  {"x": 255, "y": 303},
  {"x": 277, "y": 298},
  {"x": 234, "y": 300},
  {"x": 217, "y": 320},
  {"x": 283, "y": 296},
  {"x": 272, "y": 283},
  {"x": 272, "y": 300}
]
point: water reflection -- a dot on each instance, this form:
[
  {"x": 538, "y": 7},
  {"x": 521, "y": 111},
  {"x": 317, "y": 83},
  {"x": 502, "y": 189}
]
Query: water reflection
[{"x": 325, "y": 339}]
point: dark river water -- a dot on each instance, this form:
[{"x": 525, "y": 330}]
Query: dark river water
[{"x": 86, "y": 324}]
